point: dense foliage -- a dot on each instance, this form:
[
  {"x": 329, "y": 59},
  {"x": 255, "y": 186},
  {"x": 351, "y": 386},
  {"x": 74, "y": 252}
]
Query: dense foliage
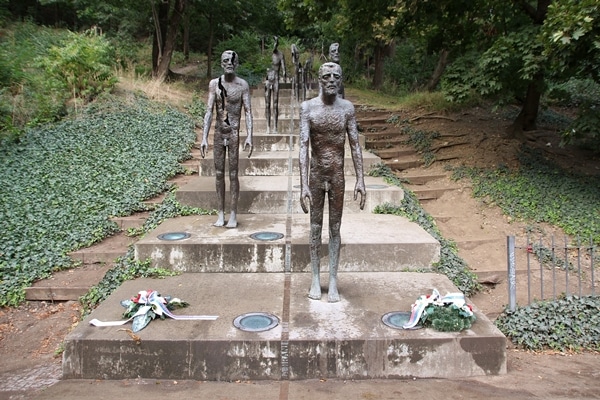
[
  {"x": 61, "y": 183},
  {"x": 45, "y": 72},
  {"x": 570, "y": 323}
]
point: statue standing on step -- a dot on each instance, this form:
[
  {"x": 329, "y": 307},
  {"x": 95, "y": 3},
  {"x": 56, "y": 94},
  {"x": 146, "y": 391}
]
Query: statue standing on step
[
  {"x": 307, "y": 75},
  {"x": 334, "y": 56},
  {"x": 325, "y": 122},
  {"x": 297, "y": 70},
  {"x": 278, "y": 67},
  {"x": 226, "y": 95}
]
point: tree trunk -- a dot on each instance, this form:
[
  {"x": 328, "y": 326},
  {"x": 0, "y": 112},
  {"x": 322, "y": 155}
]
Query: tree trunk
[
  {"x": 160, "y": 17},
  {"x": 162, "y": 71},
  {"x": 211, "y": 34},
  {"x": 378, "y": 61},
  {"x": 526, "y": 120},
  {"x": 186, "y": 35},
  {"x": 439, "y": 70}
]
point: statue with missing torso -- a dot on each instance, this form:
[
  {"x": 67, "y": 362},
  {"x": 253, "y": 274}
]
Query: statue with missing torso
[{"x": 227, "y": 95}]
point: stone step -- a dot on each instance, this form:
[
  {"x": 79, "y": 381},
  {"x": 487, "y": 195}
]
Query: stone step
[
  {"x": 309, "y": 339},
  {"x": 425, "y": 193},
  {"x": 396, "y": 152},
  {"x": 106, "y": 251},
  {"x": 407, "y": 162},
  {"x": 272, "y": 163},
  {"x": 383, "y": 135},
  {"x": 270, "y": 194},
  {"x": 69, "y": 284},
  {"x": 261, "y": 141},
  {"x": 370, "y": 242},
  {"x": 420, "y": 178}
]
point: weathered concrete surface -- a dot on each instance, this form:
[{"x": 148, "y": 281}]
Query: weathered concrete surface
[
  {"x": 276, "y": 163},
  {"x": 348, "y": 340},
  {"x": 315, "y": 339},
  {"x": 263, "y": 142},
  {"x": 269, "y": 195},
  {"x": 369, "y": 243}
]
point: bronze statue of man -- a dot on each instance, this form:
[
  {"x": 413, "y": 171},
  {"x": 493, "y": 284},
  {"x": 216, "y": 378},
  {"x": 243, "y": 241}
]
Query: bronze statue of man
[
  {"x": 325, "y": 122},
  {"x": 278, "y": 68},
  {"x": 334, "y": 56},
  {"x": 297, "y": 70},
  {"x": 227, "y": 94}
]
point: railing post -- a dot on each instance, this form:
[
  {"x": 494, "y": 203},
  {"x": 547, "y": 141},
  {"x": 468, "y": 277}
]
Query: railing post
[{"x": 512, "y": 273}]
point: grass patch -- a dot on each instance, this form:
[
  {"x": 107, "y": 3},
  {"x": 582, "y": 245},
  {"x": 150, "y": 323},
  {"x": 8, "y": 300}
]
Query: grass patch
[{"x": 423, "y": 101}]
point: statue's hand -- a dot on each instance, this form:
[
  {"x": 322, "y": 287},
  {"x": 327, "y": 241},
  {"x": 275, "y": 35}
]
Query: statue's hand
[
  {"x": 203, "y": 147},
  {"x": 304, "y": 198},
  {"x": 360, "y": 188},
  {"x": 248, "y": 145}
]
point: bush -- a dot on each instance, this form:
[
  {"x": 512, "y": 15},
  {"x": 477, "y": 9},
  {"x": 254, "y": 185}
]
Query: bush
[
  {"x": 569, "y": 323},
  {"x": 82, "y": 63},
  {"x": 27, "y": 95}
]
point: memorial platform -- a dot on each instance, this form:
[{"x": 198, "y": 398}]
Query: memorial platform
[
  {"x": 312, "y": 338},
  {"x": 262, "y": 269}
]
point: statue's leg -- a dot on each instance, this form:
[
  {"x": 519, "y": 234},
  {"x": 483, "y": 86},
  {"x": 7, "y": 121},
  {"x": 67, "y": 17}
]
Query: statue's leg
[
  {"x": 219, "y": 154},
  {"x": 316, "y": 227},
  {"x": 336, "y": 205},
  {"x": 276, "y": 103},
  {"x": 268, "y": 92},
  {"x": 234, "y": 182}
]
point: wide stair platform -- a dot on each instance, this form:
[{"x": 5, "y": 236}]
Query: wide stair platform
[{"x": 263, "y": 266}]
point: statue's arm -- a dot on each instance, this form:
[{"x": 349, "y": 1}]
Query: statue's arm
[
  {"x": 283, "y": 67},
  {"x": 248, "y": 110},
  {"x": 208, "y": 117},
  {"x": 357, "y": 159},
  {"x": 305, "y": 195}
]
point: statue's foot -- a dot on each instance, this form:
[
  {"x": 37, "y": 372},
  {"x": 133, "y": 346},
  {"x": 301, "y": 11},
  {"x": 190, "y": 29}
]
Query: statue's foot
[
  {"x": 219, "y": 222},
  {"x": 232, "y": 223},
  {"x": 333, "y": 295},
  {"x": 220, "y": 219},
  {"x": 315, "y": 292}
]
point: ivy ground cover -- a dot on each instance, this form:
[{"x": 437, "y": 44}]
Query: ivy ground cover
[{"x": 61, "y": 183}]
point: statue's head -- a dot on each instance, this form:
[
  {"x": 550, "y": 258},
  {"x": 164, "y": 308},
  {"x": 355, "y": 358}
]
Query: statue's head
[
  {"x": 229, "y": 61},
  {"x": 330, "y": 78},
  {"x": 334, "y": 52}
]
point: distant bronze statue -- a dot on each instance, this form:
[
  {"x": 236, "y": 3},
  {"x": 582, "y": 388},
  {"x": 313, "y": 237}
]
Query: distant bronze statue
[
  {"x": 334, "y": 53},
  {"x": 325, "y": 121},
  {"x": 334, "y": 56},
  {"x": 297, "y": 84},
  {"x": 278, "y": 66},
  {"x": 227, "y": 94},
  {"x": 269, "y": 93},
  {"x": 307, "y": 75}
]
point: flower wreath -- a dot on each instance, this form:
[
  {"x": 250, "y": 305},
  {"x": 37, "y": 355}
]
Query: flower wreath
[
  {"x": 146, "y": 306},
  {"x": 449, "y": 313}
]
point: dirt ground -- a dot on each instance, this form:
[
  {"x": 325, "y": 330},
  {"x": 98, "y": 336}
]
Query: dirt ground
[{"x": 31, "y": 335}]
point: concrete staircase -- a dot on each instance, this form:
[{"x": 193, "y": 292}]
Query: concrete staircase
[{"x": 263, "y": 267}]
